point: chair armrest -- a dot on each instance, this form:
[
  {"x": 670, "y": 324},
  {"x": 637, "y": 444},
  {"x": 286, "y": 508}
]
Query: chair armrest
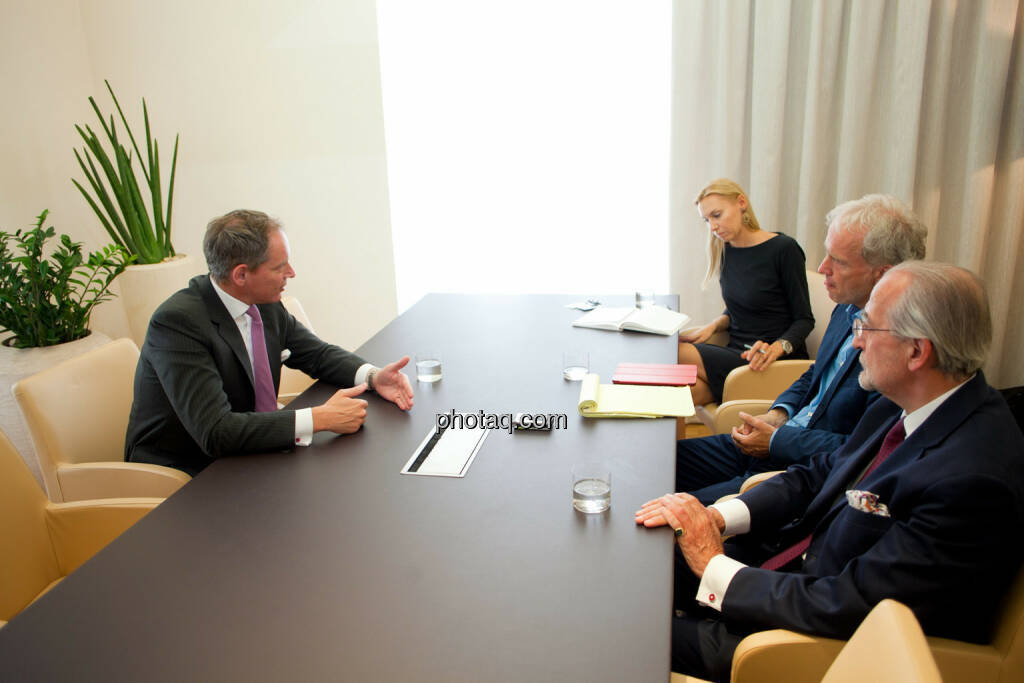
[
  {"x": 92, "y": 480},
  {"x": 728, "y": 414},
  {"x": 80, "y": 529},
  {"x": 780, "y": 655},
  {"x": 756, "y": 479},
  {"x": 744, "y": 383}
]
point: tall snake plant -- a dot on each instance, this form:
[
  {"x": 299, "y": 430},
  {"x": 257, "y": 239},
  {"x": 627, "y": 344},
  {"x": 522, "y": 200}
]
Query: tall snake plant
[{"x": 119, "y": 203}]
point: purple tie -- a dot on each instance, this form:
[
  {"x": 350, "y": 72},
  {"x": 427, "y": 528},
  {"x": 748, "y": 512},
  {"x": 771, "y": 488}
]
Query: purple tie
[
  {"x": 263, "y": 384},
  {"x": 893, "y": 438}
]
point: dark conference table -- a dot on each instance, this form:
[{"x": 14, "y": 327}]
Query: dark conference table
[{"x": 325, "y": 563}]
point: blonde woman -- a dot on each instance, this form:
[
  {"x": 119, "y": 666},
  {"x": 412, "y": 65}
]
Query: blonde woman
[{"x": 764, "y": 285}]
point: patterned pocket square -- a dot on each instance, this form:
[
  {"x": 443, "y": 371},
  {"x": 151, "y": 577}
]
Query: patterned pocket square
[
  {"x": 285, "y": 355},
  {"x": 865, "y": 501}
]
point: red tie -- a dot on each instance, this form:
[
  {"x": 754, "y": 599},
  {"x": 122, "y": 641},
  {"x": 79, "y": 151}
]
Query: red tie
[
  {"x": 892, "y": 439},
  {"x": 263, "y": 382}
]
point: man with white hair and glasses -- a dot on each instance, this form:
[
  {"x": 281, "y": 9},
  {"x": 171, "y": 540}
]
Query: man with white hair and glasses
[{"x": 922, "y": 504}]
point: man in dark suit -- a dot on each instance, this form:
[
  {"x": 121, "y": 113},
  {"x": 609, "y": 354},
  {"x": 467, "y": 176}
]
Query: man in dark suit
[
  {"x": 865, "y": 238},
  {"x": 207, "y": 378},
  {"x": 922, "y": 504}
]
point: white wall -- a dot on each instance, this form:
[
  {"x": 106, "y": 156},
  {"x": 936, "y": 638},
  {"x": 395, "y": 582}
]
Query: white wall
[{"x": 279, "y": 109}]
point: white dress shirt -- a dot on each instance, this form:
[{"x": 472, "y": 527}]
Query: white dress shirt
[{"x": 721, "y": 569}]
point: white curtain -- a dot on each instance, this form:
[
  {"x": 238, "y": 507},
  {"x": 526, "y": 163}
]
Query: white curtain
[{"x": 809, "y": 103}]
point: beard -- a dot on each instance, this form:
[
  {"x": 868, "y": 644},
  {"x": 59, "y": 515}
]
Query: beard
[{"x": 864, "y": 379}]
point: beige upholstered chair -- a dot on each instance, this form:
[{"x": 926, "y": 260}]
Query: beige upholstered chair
[
  {"x": 887, "y": 646},
  {"x": 42, "y": 542},
  {"x": 889, "y": 640},
  {"x": 294, "y": 382},
  {"x": 743, "y": 383},
  {"x": 77, "y": 413},
  {"x": 784, "y": 655},
  {"x": 1001, "y": 661}
]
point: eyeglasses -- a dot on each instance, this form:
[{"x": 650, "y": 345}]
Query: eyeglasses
[{"x": 859, "y": 329}]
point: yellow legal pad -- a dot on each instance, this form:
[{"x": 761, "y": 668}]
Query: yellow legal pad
[{"x": 632, "y": 400}]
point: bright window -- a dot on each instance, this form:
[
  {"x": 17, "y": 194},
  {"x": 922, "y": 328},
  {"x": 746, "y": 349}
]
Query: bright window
[{"x": 527, "y": 144}]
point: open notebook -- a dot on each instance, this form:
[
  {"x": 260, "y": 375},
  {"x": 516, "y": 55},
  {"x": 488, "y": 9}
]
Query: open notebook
[
  {"x": 653, "y": 319},
  {"x": 630, "y": 400}
]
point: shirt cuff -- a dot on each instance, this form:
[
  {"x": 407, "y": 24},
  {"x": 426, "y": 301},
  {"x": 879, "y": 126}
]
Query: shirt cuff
[
  {"x": 717, "y": 577},
  {"x": 362, "y": 372},
  {"x": 303, "y": 426},
  {"x": 784, "y": 406},
  {"x": 736, "y": 515}
]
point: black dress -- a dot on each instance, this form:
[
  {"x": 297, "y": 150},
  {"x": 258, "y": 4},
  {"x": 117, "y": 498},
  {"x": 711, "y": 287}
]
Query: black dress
[{"x": 765, "y": 293}]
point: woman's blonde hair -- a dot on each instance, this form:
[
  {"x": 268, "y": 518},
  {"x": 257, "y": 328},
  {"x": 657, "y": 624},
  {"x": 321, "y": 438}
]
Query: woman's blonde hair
[{"x": 716, "y": 247}]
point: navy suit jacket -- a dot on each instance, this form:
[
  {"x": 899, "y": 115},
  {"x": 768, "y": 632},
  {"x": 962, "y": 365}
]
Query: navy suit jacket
[
  {"x": 194, "y": 397},
  {"x": 948, "y": 548},
  {"x": 840, "y": 409}
]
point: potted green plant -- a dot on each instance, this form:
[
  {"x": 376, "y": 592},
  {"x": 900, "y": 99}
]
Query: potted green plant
[
  {"x": 133, "y": 211},
  {"x": 46, "y": 301},
  {"x": 144, "y": 231}
]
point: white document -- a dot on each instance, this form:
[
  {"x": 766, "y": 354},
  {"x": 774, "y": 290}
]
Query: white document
[{"x": 448, "y": 456}]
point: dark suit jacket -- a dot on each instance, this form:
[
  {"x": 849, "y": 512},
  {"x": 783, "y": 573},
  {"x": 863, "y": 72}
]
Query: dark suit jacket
[
  {"x": 948, "y": 549},
  {"x": 194, "y": 396},
  {"x": 840, "y": 409}
]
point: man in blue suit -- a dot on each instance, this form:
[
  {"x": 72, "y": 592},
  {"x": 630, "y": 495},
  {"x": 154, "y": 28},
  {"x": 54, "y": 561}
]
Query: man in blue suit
[
  {"x": 921, "y": 504},
  {"x": 865, "y": 238}
]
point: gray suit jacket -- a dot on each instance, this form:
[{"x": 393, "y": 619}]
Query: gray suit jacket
[{"x": 194, "y": 386}]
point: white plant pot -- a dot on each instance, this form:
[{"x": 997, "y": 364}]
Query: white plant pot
[
  {"x": 18, "y": 363},
  {"x": 144, "y": 287}
]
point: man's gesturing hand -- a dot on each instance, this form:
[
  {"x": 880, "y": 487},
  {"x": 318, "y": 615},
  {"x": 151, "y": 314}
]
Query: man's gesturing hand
[
  {"x": 342, "y": 413},
  {"x": 390, "y": 383}
]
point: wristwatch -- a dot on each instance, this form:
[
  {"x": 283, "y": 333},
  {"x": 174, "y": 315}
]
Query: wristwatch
[{"x": 787, "y": 348}]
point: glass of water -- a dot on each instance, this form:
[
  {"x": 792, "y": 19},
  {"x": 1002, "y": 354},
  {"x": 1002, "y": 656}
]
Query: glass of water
[
  {"x": 575, "y": 365},
  {"x": 428, "y": 366},
  {"x": 591, "y": 488},
  {"x": 645, "y": 298}
]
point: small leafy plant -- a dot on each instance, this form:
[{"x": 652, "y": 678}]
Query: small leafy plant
[
  {"x": 119, "y": 202},
  {"x": 47, "y": 301}
]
